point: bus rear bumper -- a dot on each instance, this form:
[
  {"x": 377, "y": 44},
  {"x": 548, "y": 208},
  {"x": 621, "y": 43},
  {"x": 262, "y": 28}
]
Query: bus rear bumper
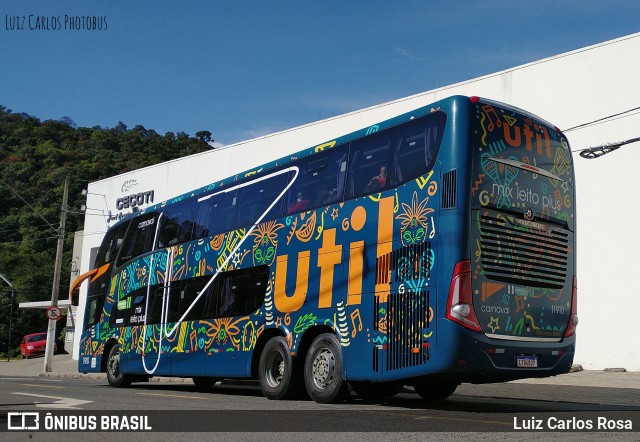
[{"x": 481, "y": 359}]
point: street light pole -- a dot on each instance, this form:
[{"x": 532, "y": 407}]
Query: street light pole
[{"x": 13, "y": 294}]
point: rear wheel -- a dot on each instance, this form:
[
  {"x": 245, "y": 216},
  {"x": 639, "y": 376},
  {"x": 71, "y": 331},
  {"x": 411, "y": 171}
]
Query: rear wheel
[
  {"x": 323, "y": 370},
  {"x": 114, "y": 376},
  {"x": 377, "y": 390},
  {"x": 275, "y": 369},
  {"x": 436, "y": 392}
]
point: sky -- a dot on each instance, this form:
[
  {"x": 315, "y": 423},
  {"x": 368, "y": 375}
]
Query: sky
[{"x": 245, "y": 68}]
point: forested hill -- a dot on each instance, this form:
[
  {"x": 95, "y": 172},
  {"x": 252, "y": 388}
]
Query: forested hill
[{"x": 35, "y": 158}]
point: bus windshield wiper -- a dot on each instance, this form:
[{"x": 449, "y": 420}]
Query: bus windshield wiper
[{"x": 525, "y": 166}]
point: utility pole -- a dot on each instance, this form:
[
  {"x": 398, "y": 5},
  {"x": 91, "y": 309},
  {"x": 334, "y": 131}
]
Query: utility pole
[
  {"x": 51, "y": 330},
  {"x": 13, "y": 294}
]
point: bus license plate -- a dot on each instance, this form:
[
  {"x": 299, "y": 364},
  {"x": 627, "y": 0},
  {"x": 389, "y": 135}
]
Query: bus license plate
[{"x": 527, "y": 361}]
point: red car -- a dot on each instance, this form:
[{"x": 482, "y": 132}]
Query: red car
[{"x": 35, "y": 344}]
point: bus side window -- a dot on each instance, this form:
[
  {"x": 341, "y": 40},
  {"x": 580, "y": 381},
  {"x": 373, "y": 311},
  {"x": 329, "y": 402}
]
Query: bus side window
[
  {"x": 233, "y": 293},
  {"x": 417, "y": 147},
  {"x": 139, "y": 237},
  {"x": 241, "y": 292},
  {"x": 256, "y": 198},
  {"x": 188, "y": 295},
  {"x": 368, "y": 165},
  {"x": 177, "y": 224},
  {"x": 215, "y": 214},
  {"x": 320, "y": 180},
  {"x": 94, "y": 308},
  {"x": 154, "y": 309}
]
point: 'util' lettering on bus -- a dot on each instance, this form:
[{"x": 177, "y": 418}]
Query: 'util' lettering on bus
[
  {"x": 328, "y": 256},
  {"x": 513, "y": 133}
]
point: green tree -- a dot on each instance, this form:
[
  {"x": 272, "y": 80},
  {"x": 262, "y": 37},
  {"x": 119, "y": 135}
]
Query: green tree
[{"x": 35, "y": 158}]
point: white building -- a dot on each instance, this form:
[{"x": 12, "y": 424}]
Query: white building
[{"x": 569, "y": 90}]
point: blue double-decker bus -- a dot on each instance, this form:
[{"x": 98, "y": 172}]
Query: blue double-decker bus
[{"x": 431, "y": 249}]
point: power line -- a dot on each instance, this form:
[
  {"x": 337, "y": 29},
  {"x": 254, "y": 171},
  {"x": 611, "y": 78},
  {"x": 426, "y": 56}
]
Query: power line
[
  {"x": 31, "y": 207},
  {"x": 34, "y": 240},
  {"x": 2, "y": 232},
  {"x": 599, "y": 120}
]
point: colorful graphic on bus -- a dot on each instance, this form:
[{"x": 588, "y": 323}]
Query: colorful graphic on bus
[{"x": 431, "y": 249}]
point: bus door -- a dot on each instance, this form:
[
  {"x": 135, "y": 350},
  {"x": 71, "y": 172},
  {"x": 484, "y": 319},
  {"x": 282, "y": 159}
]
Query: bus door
[
  {"x": 140, "y": 280},
  {"x": 155, "y": 340}
]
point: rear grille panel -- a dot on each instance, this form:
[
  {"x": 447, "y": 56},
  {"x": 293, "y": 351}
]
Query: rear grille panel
[
  {"x": 402, "y": 319},
  {"x": 532, "y": 254},
  {"x": 407, "y": 318}
]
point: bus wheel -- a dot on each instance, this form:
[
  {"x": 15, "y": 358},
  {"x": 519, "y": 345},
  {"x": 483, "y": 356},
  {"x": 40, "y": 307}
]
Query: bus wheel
[
  {"x": 323, "y": 370},
  {"x": 275, "y": 369},
  {"x": 204, "y": 382},
  {"x": 377, "y": 390},
  {"x": 114, "y": 376},
  {"x": 436, "y": 392}
]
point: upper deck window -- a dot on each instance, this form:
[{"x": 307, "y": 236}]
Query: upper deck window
[
  {"x": 215, "y": 214},
  {"x": 177, "y": 223},
  {"x": 261, "y": 200},
  {"x": 369, "y": 165},
  {"x": 320, "y": 180},
  {"x": 139, "y": 237},
  {"x": 416, "y": 146}
]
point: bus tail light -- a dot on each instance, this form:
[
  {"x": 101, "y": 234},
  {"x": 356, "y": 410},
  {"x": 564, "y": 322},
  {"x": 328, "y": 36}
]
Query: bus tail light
[
  {"x": 460, "y": 303},
  {"x": 573, "y": 317}
]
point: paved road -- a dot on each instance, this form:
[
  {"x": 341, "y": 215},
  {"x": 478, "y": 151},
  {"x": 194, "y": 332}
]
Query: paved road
[{"x": 240, "y": 408}]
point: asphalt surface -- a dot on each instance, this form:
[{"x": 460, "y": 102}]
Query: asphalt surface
[{"x": 63, "y": 366}]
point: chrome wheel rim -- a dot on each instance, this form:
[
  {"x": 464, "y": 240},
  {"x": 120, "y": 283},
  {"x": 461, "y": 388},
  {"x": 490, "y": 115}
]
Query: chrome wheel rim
[
  {"x": 114, "y": 365},
  {"x": 323, "y": 368},
  {"x": 274, "y": 369}
]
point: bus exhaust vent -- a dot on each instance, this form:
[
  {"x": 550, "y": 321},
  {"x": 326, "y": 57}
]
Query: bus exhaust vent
[
  {"x": 376, "y": 362},
  {"x": 409, "y": 263},
  {"x": 533, "y": 255},
  {"x": 449, "y": 189},
  {"x": 408, "y": 318}
]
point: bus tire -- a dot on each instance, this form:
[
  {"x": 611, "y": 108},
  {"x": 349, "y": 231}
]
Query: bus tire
[
  {"x": 436, "y": 392},
  {"x": 323, "y": 370},
  {"x": 115, "y": 377},
  {"x": 275, "y": 369},
  {"x": 204, "y": 381},
  {"x": 377, "y": 390}
]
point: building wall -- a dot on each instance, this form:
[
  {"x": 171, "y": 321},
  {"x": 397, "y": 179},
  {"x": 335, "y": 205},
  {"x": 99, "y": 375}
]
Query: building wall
[
  {"x": 76, "y": 259},
  {"x": 568, "y": 90}
]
